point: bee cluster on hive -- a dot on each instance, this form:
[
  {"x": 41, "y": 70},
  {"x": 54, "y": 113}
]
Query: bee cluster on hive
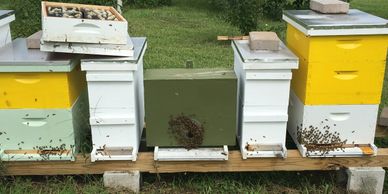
[
  {"x": 319, "y": 141},
  {"x": 187, "y": 131},
  {"x": 81, "y": 13}
]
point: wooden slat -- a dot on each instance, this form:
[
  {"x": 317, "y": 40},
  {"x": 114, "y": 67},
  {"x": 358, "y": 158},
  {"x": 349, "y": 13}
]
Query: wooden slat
[
  {"x": 232, "y": 37},
  {"x": 145, "y": 163}
]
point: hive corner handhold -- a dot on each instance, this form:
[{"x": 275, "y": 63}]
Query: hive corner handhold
[
  {"x": 329, "y": 6},
  {"x": 264, "y": 41}
]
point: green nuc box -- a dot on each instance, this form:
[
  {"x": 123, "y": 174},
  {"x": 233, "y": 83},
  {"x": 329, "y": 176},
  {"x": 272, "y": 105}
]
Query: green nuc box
[{"x": 190, "y": 107}]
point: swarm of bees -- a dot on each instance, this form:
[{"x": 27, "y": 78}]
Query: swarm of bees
[
  {"x": 81, "y": 13},
  {"x": 319, "y": 140}
]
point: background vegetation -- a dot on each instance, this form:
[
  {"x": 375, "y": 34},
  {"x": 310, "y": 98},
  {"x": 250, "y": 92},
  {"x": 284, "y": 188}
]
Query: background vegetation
[{"x": 186, "y": 30}]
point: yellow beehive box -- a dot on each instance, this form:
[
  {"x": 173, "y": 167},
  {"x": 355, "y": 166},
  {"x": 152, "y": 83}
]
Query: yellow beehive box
[
  {"x": 30, "y": 78},
  {"x": 337, "y": 48},
  {"x": 329, "y": 83},
  {"x": 342, "y": 56}
]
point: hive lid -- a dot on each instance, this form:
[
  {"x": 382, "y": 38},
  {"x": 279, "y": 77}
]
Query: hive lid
[
  {"x": 95, "y": 62},
  {"x": 355, "y": 22},
  {"x": 16, "y": 57},
  {"x": 189, "y": 74},
  {"x": 265, "y": 59},
  {"x": 6, "y": 13}
]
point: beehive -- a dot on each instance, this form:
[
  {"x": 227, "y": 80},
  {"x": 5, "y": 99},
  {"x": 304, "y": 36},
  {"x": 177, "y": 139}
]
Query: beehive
[
  {"x": 338, "y": 86},
  {"x": 342, "y": 56},
  {"x": 42, "y": 111},
  {"x": 190, "y": 107},
  {"x": 116, "y": 101},
  {"x": 264, "y": 85}
]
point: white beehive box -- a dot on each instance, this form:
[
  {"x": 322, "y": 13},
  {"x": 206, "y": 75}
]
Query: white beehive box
[
  {"x": 82, "y": 30},
  {"x": 6, "y": 17},
  {"x": 354, "y": 123},
  {"x": 263, "y": 86},
  {"x": 116, "y": 102}
]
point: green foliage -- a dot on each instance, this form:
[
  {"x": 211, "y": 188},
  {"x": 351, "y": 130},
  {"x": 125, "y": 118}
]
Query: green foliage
[
  {"x": 241, "y": 13},
  {"x": 274, "y": 8},
  {"x": 150, "y": 3}
]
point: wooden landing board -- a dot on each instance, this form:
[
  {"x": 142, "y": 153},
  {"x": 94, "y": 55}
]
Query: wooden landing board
[{"x": 145, "y": 163}]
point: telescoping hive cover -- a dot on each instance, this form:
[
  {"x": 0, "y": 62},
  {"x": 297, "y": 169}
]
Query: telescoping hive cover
[{"x": 190, "y": 108}]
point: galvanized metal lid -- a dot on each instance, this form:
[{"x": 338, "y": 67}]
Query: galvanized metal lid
[
  {"x": 189, "y": 74},
  {"x": 16, "y": 57},
  {"x": 6, "y": 13},
  {"x": 95, "y": 62},
  {"x": 265, "y": 59},
  {"x": 355, "y": 22}
]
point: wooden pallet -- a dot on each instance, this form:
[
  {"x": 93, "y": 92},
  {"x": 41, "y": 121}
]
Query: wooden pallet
[{"x": 146, "y": 163}]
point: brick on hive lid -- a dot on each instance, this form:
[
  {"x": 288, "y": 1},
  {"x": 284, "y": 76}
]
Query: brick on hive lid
[
  {"x": 329, "y": 6},
  {"x": 33, "y": 41},
  {"x": 264, "y": 41}
]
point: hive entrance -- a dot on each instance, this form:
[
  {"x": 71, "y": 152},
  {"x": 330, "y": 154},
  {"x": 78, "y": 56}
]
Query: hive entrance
[
  {"x": 321, "y": 141},
  {"x": 187, "y": 131}
]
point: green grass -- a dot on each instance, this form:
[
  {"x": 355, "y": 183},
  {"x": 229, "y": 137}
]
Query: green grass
[
  {"x": 187, "y": 31},
  {"x": 180, "y": 33},
  {"x": 285, "y": 182}
]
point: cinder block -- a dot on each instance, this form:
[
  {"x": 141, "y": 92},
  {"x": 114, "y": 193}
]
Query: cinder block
[
  {"x": 329, "y": 6},
  {"x": 33, "y": 41},
  {"x": 123, "y": 180},
  {"x": 366, "y": 179},
  {"x": 264, "y": 41},
  {"x": 383, "y": 120}
]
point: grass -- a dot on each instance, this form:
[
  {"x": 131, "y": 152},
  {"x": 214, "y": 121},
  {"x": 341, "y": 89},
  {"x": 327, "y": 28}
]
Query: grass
[
  {"x": 187, "y": 31},
  {"x": 286, "y": 182}
]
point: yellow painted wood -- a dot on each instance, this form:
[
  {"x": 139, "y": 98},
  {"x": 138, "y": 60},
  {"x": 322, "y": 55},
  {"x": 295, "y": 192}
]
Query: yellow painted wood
[
  {"x": 338, "y": 69},
  {"x": 337, "y": 48},
  {"x": 327, "y": 83},
  {"x": 41, "y": 90}
]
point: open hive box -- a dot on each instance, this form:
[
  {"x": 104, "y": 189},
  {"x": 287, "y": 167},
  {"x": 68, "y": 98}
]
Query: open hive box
[{"x": 79, "y": 23}]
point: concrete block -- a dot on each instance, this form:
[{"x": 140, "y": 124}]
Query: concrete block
[
  {"x": 383, "y": 120},
  {"x": 329, "y": 6},
  {"x": 123, "y": 180},
  {"x": 33, "y": 41},
  {"x": 264, "y": 41},
  {"x": 365, "y": 179}
]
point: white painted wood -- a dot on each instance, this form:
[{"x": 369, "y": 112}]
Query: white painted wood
[
  {"x": 119, "y": 6},
  {"x": 263, "y": 87},
  {"x": 110, "y": 135},
  {"x": 58, "y": 29},
  {"x": 124, "y": 50},
  {"x": 336, "y": 32},
  {"x": 268, "y": 153},
  {"x": 183, "y": 154},
  {"x": 5, "y": 31},
  {"x": 354, "y": 123},
  {"x": 116, "y": 101}
]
